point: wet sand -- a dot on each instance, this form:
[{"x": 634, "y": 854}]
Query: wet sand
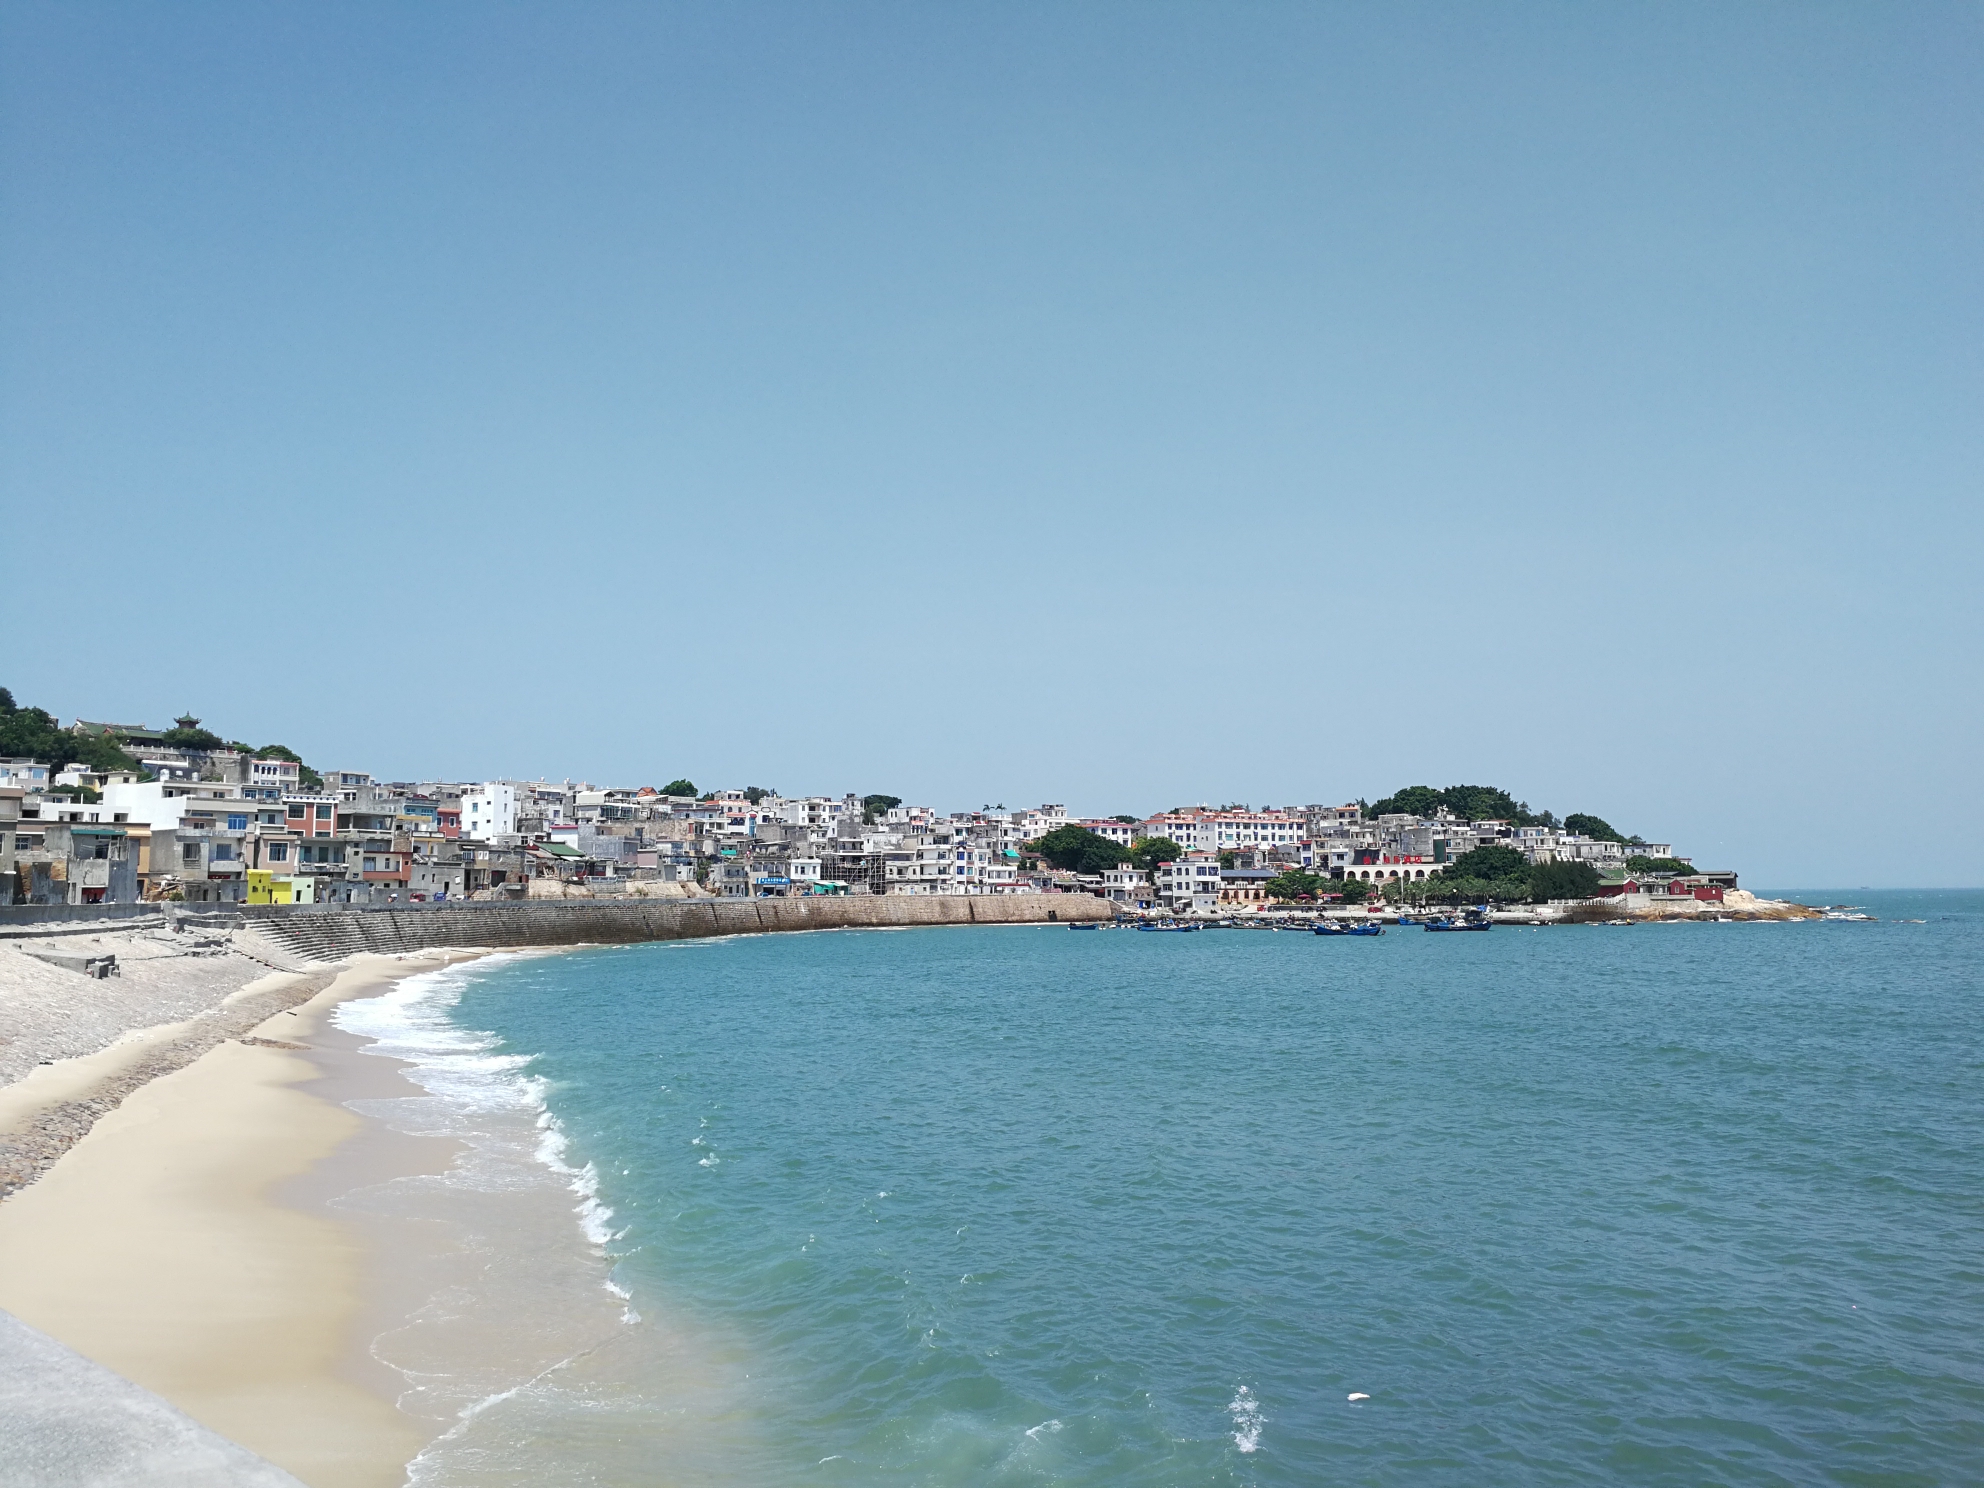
[{"x": 177, "y": 1243}]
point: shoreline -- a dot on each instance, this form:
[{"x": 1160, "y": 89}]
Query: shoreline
[{"x": 186, "y": 1239}]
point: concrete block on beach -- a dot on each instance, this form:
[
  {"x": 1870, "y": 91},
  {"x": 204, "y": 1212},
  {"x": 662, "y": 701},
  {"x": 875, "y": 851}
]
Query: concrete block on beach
[{"x": 68, "y": 1423}]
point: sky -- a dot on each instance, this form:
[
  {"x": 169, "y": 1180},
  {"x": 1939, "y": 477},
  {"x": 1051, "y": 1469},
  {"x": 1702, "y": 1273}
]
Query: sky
[{"x": 1123, "y": 405}]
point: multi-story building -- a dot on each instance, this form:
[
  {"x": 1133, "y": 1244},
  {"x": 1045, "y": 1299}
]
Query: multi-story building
[
  {"x": 24, "y": 775},
  {"x": 1128, "y": 886},
  {"x": 1189, "y": 884},
  {"x": 1203, "y": 830},
  {"x": 489, "y": 811},
  {"x": 1121, "y": 833}
]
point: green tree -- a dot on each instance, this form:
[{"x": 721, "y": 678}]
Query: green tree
[
  {"x": 1562, "y": 880},
  {"x": 1353, "y": 890},
  {"x": 1228, "y": 859},
  {"x": 1468, "y": 802},
  {"x": 1658, "y": 865},
  {"x": 186, "y": 733},
  {"x": 756, "y": 793},
  {"x": 680, "y": 788},
  {"x": 1492, "y": 861},
  {"x": 32, "y": 733},
  {"x": 1078, "y": 850},
  {"x": 1416, "y": 800},
  {"x": 1295, "y": 884},
  {"x": 872, "y": 807},
  {"x": 1147, "y": 852},
  {"x": 1128, "y": 821},
  {"x": 1447, "y": 888},
  {"x": 1593, "y": 827}
]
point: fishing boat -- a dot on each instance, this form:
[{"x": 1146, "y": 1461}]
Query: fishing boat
[
  {"x": 1091, "y": 925},
  {"x": 1473, "y": 920},
  {"x": 1365, "y": 930},
  {"x": 1324, "y": 927},
  {"x": 1179, "y": 928}
]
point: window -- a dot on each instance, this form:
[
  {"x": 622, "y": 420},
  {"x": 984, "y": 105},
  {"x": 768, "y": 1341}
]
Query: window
[
  {"x": 189, "y": 852},
  {"x": 278, "y": 852},
  {"x": 237, "y": 821},
  {"x": 296, "y": 811},
  {"x": 323, "y": 813},
  {"x": 223, "y": 852}
]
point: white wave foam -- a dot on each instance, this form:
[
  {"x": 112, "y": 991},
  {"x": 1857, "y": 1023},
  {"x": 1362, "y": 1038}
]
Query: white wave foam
[
  {"x": 1247, "y": 1420},
  {"x": 464, "y": 1069}
]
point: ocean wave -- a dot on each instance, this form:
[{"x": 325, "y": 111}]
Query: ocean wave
[{"x": 469, "y": 1072}]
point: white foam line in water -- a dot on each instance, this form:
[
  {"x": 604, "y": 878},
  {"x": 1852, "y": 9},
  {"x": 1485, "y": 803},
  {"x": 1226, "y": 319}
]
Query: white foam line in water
[{"x": 410, "y": 1022}]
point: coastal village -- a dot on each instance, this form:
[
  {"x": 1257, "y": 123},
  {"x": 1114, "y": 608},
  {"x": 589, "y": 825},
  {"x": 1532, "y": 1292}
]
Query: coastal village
[{"x": 192, "y": 818}]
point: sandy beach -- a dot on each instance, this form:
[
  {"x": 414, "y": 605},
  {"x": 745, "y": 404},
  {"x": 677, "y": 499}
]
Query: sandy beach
[{"x": 165, "y": 1245}]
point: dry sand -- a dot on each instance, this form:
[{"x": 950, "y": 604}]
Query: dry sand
[
  {"x": 48, "y": 1012},
  {"x": 154, "y": 1247}
]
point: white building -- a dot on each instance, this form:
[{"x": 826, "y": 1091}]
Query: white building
[
  {"x": 1122, "y": 833},
  {"x": 278, "y": 775},
  {"x": 1222, "y": 831},
  {"x": 1039, "y": 822},
  {"x": 1128, "y": 885},
  {"x": 490, "y": 811},
  {"x": 944, "y": 864},
  {"x": 1191, "y": 883},
  {"x": 23, "y": 774}
]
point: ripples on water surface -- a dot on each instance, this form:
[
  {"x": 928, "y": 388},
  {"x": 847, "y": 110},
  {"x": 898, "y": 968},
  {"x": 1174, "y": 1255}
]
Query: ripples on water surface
[{"x": 1674, "y": 1204}]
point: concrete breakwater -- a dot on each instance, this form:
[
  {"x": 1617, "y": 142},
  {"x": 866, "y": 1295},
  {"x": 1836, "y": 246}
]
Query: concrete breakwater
[{"x": 316, "y": 935}]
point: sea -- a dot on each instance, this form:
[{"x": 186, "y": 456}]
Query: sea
[{"x": 1017, "y": 1205}]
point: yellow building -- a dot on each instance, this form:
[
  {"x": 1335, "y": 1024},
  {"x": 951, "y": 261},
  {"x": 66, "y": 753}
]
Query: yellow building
[{"x": 265, "y": 888}]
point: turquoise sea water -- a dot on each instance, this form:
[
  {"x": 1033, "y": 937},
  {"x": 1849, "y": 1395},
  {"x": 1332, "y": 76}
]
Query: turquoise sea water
[{"x": 1671, "y": 1204}]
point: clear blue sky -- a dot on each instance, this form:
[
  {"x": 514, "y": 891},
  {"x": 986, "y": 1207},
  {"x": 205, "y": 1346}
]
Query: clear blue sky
[{"x": 1123, "y": 405}]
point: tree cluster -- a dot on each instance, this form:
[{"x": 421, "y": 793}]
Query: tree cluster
[
  {"x": 1078, "y": 850},
  {"x": 33, "y": 733},
  {"x": 1593, "y": 827},
  {"x": 1468, "y": 802},
  {"x": 186, "y": 733},
  {"x": 1502, "y": 874},
  {"x": 680, "y": 788},
  {"x": 1658, "y": 865},
  {"x": 873, "y": 807}
]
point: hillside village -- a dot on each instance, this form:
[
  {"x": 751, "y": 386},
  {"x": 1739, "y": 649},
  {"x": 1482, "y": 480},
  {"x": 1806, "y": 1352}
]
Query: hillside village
[{"x": 180, "y": 814}]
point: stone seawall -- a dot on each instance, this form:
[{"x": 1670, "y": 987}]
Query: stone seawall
[{"x": 318, "y": 935}]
